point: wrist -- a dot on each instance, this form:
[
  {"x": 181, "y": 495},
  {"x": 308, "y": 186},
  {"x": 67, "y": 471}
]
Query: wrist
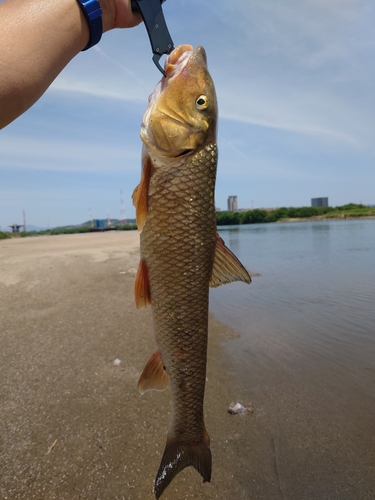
[
  {"x": 108, "y": 14},
  {"x": 93, "y": 14}
]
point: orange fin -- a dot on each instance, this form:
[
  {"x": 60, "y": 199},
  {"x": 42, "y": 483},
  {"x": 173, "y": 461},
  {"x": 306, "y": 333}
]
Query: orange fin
[
  {"x": 142, "y": 292},
  {"x": 140, "y": 195},
  {"x": 177, "y": 456},
  {"x": 154, "y": 377},
  {"x": 226, "y": 268}
]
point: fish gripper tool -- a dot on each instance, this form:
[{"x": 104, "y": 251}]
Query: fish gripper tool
[{"x": 153, "y": 18}]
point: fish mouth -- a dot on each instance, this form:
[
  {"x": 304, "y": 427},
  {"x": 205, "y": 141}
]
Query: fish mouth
[
  {"x": 173, "y": 65},
  {"x": 177, "y": 60}
]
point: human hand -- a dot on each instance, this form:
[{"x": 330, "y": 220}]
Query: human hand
[{"x": 118, "y": 14}]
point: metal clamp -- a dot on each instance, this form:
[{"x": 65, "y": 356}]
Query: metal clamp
[{"x": 153, "y": 18}]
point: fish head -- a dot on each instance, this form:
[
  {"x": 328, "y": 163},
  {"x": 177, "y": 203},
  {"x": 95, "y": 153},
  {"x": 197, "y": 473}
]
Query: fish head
[{"x": 182, "y": 113}]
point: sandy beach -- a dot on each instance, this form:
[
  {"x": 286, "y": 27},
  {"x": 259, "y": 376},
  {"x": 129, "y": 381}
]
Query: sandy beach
[{"x": 73, "y": 425}]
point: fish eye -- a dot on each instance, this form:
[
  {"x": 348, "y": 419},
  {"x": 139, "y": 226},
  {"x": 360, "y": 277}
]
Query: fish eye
[{"x": 202, "y": 102}]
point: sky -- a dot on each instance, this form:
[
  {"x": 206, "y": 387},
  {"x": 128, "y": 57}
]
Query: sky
[{"x": 295, "y": 81}]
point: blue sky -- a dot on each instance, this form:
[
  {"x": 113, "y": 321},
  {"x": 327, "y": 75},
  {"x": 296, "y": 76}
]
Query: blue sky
[{"x": 296, "y": 88}]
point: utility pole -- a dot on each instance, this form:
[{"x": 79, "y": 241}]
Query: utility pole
[
  {"x": 92, "y": 220},
  {"x": 122, "y": 209}
]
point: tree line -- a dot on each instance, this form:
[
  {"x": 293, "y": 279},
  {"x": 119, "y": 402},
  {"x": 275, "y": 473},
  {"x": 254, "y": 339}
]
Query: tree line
[{"x": 258, "y": 216}]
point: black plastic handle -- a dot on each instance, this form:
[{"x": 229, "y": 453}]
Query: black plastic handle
[{"x": 153, "y": 18}]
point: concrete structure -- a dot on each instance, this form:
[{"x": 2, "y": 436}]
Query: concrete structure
[
  {"x": 16, "y": 228},
  {"x": 232, "y": 204},
  {"x": 319, "y": 202}
]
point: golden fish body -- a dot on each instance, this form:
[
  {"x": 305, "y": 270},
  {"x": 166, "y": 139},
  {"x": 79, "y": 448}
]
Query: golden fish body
[{"x": 181, "y": 254}]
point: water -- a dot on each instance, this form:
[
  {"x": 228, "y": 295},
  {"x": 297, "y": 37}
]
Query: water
[
  {"x": 305, "y": 357},
  {"x": 317, "y": 282}
]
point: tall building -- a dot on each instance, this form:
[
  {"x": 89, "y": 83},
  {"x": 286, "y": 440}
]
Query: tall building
[
  {"x": 319, "y": 202},
  {"x": 232, "y": 203}
]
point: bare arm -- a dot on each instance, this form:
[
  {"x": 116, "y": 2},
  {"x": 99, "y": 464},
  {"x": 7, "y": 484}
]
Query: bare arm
[{"x": 38, "y": 38}]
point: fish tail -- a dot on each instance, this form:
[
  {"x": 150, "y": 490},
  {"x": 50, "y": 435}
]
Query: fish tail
[{"x": 177, "y": 456}]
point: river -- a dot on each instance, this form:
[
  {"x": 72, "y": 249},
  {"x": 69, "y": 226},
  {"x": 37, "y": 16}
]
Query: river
[{"x": 305, "y": 358}]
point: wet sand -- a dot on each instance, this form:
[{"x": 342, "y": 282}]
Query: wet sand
[{"x": 73, "y": 425}]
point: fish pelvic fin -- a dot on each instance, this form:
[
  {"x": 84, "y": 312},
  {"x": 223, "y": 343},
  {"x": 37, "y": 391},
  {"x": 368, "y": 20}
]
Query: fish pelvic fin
[
  {"x": 142, "y": 291},
  {"x": 226, "y": 267},
  {"x": 177, "y": 456},
  {"x": 154, "y": 376},
  {"x": 140, "y": 194}
]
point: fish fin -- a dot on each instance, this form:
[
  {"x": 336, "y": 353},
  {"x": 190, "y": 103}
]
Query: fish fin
[
  {"x": 177, "y": 456},
  {"x": 140, "y": 195},
  {"x": 142, "y": 292},
  {"x": 154, "y": 376},
  {"x": 226, "y": 268}
]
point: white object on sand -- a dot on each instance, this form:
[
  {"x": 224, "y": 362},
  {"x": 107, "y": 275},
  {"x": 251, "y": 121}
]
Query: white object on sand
[{"x": 238, "y": 409}]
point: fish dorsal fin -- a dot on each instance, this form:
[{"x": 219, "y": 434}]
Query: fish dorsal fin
[
  {"x": 142, "y": 292},
  {"x": 154, "y": 376},
  {"x": 226, "y": 268},
  {"x": 140, "y": 195}
]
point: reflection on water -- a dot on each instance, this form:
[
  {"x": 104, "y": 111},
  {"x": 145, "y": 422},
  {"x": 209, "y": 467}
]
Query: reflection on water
[{"x": 317, "y": 283}]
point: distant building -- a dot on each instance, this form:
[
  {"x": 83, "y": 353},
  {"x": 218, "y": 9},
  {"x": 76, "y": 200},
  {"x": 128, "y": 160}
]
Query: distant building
[
  {"x": 99, "y": 223},
  {"x": 16, "y": 228},
  {"x": 319, "y": 202},
  {"x": 232, "y": 204}
]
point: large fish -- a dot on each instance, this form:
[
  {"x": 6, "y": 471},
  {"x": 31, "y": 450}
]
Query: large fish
[{"x": 181, "y": 253}]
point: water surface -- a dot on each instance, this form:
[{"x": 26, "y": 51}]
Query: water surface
[{"x": 306, "y": 354}]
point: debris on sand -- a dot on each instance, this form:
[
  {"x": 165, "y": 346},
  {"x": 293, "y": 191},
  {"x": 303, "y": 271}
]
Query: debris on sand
[{"x": 239, "y": 409}]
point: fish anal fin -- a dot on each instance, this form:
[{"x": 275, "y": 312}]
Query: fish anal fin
[
  {"x": 177, "y": 456},
  {"x": 140, "y": 194},
  {"x": 226, "y": 267},
  {"x": 142, "y": 292},
  {"x": 154, "y": 377}
]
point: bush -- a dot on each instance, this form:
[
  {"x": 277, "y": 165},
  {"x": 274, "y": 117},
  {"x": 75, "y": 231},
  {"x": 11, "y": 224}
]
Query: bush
[
  {"x": 228, "y": 218},
  {"x": 255, "y": 216}
]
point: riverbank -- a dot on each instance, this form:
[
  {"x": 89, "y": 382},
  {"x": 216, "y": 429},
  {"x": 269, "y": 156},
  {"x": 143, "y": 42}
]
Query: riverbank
[
  {"x": 322, "y": 218},
  {"x": 72, "y": 424}
]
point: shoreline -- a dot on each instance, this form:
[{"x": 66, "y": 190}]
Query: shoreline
[
  {"x": 317, "y": 218},
  {"x": 321, "y": 218}
]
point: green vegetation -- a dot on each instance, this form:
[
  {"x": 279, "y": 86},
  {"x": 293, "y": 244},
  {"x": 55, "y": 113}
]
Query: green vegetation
[
  {"x": 258, "y": 216},
  {"x": 65, "y": 230},
  {"x": 83, "y": 229}
]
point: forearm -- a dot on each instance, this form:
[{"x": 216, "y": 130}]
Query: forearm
[{"x": 38, "y": 38}]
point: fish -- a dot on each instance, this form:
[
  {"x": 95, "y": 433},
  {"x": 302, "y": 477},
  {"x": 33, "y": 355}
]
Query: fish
[{"x": 181, "y": 253}]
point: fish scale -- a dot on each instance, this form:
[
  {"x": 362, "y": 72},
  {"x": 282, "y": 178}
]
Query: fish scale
[{"x": 179, "y": 269}]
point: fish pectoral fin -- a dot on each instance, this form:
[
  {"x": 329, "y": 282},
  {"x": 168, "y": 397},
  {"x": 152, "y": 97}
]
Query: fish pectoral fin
[
  {"x": 226, "y": 267},
  {"x": 140, "y": 194},
  {"x": 154, "y": 376},
  {"x": 177, "y": 456},
  {"x": 142, "y": 292}
]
